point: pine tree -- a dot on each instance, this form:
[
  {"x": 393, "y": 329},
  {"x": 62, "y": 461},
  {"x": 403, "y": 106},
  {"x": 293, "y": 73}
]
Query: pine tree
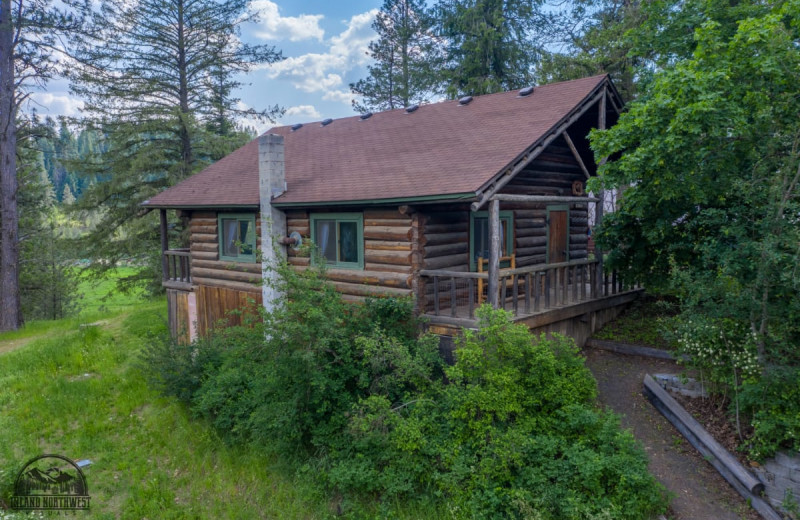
[
  {"x": 406, "y": 55},
  {"x": 158, "y": 83},
  {"x": 492, "y": 45},
  {"x": 31, "y": 38}
]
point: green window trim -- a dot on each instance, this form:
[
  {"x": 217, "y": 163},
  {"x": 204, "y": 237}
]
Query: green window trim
[
  {"x": 559, "y": 207},
  {"x": 232, "y": 246},
  {"x": 506, "y": 221},
  {"x": 339, "y": 238}
]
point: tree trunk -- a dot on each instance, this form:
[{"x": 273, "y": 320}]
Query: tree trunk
[
  {"x": 10, "y": 316},
  {"x": 183, "y": 93}
]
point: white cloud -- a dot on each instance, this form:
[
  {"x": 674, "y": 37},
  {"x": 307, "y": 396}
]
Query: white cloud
[
  {"x": 342, "y": 96},
  {"x": 302, "y": 112},
  {"x": 323, "y": 72},
  {"x": 54, "y": 104},
  {"x": 273, "y": 26}
]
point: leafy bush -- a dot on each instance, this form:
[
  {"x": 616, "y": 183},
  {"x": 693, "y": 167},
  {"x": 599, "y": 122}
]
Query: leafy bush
[
  {"x": 360, "y": 401},
  {"x": 774, "y": 404}
]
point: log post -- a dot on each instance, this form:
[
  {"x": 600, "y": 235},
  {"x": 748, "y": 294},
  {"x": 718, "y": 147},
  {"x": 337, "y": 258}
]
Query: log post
[
  {"x": 601, "y": 124},
  {"x": 272, "y": 183},
  {"x": 164, "y": 244},
  {"x": 494, "y": 252}
]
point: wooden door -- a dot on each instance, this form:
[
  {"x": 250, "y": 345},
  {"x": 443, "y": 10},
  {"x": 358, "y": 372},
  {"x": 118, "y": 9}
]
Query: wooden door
[{"x": 558, "y": 230}]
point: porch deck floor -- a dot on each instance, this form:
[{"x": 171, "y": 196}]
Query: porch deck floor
[{"x": 559, "y": 299}]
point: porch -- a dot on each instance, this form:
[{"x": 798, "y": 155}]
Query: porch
[{"x": 536, "y": 294}]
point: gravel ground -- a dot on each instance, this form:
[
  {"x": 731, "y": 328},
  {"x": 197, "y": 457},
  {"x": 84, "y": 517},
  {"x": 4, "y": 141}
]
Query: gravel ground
[{"x": 699, "y": 492}]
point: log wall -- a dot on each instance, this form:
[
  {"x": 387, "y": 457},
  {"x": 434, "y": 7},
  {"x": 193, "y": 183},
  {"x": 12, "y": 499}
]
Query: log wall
[
  {"x": 207, "y": 269},
  {"x": 388, "y": 253},
  {"x": 551, "y": 173}
]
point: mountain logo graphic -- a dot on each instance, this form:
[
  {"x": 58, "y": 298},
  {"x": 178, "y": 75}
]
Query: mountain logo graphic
[{"x": 50, "y": 483}]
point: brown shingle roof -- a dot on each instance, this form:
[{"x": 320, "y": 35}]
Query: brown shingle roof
[{"x": 441, "y": 149}]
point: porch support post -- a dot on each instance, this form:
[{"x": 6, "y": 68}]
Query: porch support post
[
  {"x": 164, "y": 243},
  {"x": 272, "y": 183},
  {"x": 494, "y": 253}
]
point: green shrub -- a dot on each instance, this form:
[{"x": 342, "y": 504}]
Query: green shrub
[
  {"x": 361, "y": 403},
  {"x": 774, "y": 404}
]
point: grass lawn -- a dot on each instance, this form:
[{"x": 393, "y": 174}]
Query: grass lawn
[{"x": 79, "y": 391}]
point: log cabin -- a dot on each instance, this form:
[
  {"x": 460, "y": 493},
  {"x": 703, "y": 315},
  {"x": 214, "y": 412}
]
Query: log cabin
[{"x": 451, "y": 203}]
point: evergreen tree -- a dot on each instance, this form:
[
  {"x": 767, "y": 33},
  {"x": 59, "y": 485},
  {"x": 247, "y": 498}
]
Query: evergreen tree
[
  {"x": 406, "y": 56},
  {"x": 492, "y": 45},
  {"x": 595, "y": 40},
  {"x": 31, "y": 37},
  {"x": 157, "y": 83}
]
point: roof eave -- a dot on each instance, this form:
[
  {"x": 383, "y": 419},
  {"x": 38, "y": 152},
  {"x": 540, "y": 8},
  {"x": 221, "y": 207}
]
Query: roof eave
[{"x": 424, "y": 199}]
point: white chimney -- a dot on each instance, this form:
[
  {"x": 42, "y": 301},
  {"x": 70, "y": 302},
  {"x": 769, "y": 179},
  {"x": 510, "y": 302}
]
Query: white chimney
[{"x": 271, "y": 183}]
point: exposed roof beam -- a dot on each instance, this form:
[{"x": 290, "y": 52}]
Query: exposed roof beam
[
  {"x": 541, "y": 198},
  {"x": 576, "y": 154},
  {"x": 534, "y": 150}
]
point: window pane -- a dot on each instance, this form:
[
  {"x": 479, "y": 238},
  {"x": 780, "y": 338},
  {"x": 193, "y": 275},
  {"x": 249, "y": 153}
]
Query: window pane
[
  {"x": 348, "y": 243},
  {"x": 230, "y": 237},
  {"x": 325, "y": 233},
  {"x": 247, "y": 233},
  {"x": 480, "y": 235}
]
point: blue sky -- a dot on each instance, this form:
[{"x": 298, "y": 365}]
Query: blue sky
[{"x": 324, "y": 42}]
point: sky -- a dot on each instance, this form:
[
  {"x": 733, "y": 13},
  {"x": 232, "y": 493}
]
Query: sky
[{"x": 325, "y": 45}]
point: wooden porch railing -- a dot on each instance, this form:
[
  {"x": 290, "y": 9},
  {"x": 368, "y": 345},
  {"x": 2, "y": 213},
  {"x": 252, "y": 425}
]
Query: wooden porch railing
[
  {"x": 177, "y": 266},
  {"x": 524, "y": 290}
]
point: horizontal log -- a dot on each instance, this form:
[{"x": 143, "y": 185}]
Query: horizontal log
[
  {"x": 356, "y": 300},
  {"x": 543, "y": 199},
  {"x": 297, "y": 222},
  {"x": 378, "y": 278},
  {"x": 369, "y": 290},
  {"x": 304, "y": 232},
  {"x": 526, "y": 242},
  {"x": 203, "y": 229},
  {"x": 388, "y": 257},
  {"x": 448, "y": 261},
  {"x": 578, "y": 221},
  {"x": 204, "y": 246},
  {"x": 435, "y": 239},
  {"x": 227, "y": 284},
  {"x": 530, "y": 232},
  {"x": 537, "y": 222},
  {"x": 402, "y": 268},
  {"x": 204, "y": 237},
  {"x": 525, "y": 261},
  {"x": 227, "y": 266},
  {"x": 205, "y": 255},
  {"x": 204, "y": 214},
  {"x": 387, "y": 233},
  {"x": 450, "y": 227},
  {"x": 393, "y": 213},
  {"x": 446, "y": 249},
  {"x": 296, "y": 214},
  {"x": 226, "y": 274},
  {"x": 387, "y": 245},
  {"x": 578, "y": 238},
  {"x": 391, "y": 222},
  {"x": 531, "y": 251},
  {"x": 299, "y": 260}
]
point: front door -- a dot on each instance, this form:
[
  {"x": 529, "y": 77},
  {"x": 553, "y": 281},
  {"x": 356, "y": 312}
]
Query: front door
[{"x": 557, "y": 233}]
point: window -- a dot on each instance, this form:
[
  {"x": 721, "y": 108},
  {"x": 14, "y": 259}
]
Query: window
[
  {"x": 479, "y": 237},
  {"x": 237, "y": 237},
  {"x": 339, "y": 238}
]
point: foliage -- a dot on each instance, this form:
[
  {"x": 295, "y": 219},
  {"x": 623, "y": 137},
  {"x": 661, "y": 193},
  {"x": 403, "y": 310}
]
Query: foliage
[
  {"x": 595, "y": 39},
  {"x": 491, "y": 45},
  {"x": 357, "y": 399},
  {"x": 157, "y": 80},
  {"x": 405, "y": 53},
  {"x": 774, "y": 404},
  {"x": 646, "y": 322}
]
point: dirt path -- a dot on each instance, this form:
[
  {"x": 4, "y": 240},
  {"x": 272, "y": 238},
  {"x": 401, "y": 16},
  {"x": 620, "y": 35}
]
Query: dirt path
[{"x": 700, "y": 493}]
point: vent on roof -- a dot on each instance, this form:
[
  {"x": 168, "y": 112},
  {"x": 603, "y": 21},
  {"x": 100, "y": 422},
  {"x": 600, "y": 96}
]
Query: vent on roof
[
  {"x": 297, "y": 127},
  {"x": 466, "y": 100},
  {"x": 527, "y": 91},
  {"x": 412, "y": 108},
  {"x": 326, "y": 122},
  {"x": 365, "y": 116}
]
